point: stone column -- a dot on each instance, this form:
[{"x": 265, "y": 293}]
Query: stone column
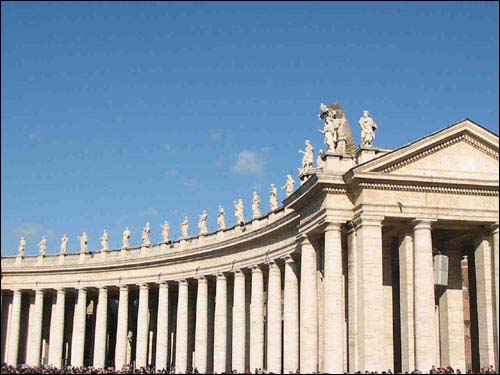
[
  {"x": 162, "y": 327},
  {"x": 79, "y": 319},
  {"x": 451, "y": 314},
  {"x": 274, "y": 319},
  {"x": 308, "y": 308},
  {"x": 333, "y": 313},
  {"x": 291, "y": 318},
  {"x": 494, "y": 232},
  {"x": 141, "y": 350},
  {"x": 425, "y": 329},
  {"x": 238, "y": 358},
  {"x": 220, "y": 324},
  {"x": 15, "y": 325},
  {"x": 201, "y": 331},
  {"x": 370, "y": 292},
  {"x": 101, "y": 326},
  {"x": 35, "y": 330},
  {"x": 122, "y": 329},
  {"x": 181, "y": 346},
  {"x": 257, "y": 320},
  {"x": 406, "y": 302},
  {"x": 352, "y": 296},
  {"x": 484, "y": 296},
  {"x": 57, "y": 331}
]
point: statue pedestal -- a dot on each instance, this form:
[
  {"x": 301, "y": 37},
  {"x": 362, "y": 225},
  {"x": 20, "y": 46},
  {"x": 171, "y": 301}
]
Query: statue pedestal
[
  {"x": 220, "y": 235},
  {"x": 337, "y": 163},
  {"x": 81, "y": 259},
  {"x": 123, "y": 252},
  {"x": 104, "y": 254},
  {"x": 182, "y": 244},
  {"x": 144, "y": 250},
  {"x": 367, "y": 153},
  {"x": 60, "y": 259},
  {"x": 19, "y": 260},
  {"x": 39, "y": 260},
  {"x": 163, "y": 248}
]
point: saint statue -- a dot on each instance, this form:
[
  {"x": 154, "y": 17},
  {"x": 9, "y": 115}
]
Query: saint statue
[
  {"x": 104, "y": 240},
  {"x": 330, "y": 127},
  {"x": 220, "y": 218},
  {"x": 145, "y": 235},
  {"x": 64, "y": 244},
  {"x": 273, "y": 197},
  {"x": 368, "y": 127},
  {"x": 83, "y": 242},
  {"x": 185, "y": 227},
  {"x": 255, "y": 205},
  {"x": 125, "y": 238},
  {"x": 320, "y": 163},
  {"x": 289, "y": 186},
  {"x": 43, "y": 245},
  {"x": 238, "y": 206},
  {"x": 22, "y": 246},
  {"x": 165, "y": 231},
  {"x": 308, "y": 158},
  {"x": 202, "y": 223}
]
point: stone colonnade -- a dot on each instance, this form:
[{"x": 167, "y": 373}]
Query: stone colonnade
[{"x": 278, "y": 315}]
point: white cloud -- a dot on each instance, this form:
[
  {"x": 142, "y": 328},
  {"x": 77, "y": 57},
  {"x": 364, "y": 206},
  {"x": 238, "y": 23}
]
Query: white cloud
[
  {"x": 149, "y": 212},
  {"x": 30, "y": 229},
  {"x": 249, "y": 162}
]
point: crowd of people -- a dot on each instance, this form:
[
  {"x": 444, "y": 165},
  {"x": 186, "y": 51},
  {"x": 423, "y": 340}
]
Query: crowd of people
[{"x": 23, "y": 369}]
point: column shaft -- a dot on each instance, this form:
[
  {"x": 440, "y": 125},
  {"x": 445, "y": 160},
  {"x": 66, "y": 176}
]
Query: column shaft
[
  {"x": 201, "y": 332},
  {"x": 101, "y": 329},
  {"x": 274, "y": 319},
  {"x": 257, "y": 320},
  {"x": 220, "y": 324},
  {"x": 122, "y": 329},
  {"x": 291, "y": 318},
  {"x": 162, "y": 328},
  {"x": 425, "y": 329},
  {"x": 308, "y": 309},
  {"x": 141, "y": 351},
  {"x": 15, "y": 325},
  {"x": 496, "y": 286},
  {"x": 352, "y": 296},
  {"x": 78, "y": 339},
  {"x": 182, "y": 328},
  {"x": 333, "y": 313},
  {"x": 57, "y": 331},
  {"x": 238, "y": 359},
  {"x": 35, "y": 339}
]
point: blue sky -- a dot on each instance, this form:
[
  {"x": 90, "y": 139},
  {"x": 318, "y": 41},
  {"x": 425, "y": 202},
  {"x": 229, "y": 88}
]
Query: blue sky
[{"x": 115, "y": 114}]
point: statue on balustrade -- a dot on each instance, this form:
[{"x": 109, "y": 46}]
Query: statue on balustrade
[
  {"x": 83, "y": 242},
  {"x": 185, "y": 227},
  {"x": 64, "y": 244},
  {"x": 145, "y": 235},
  {"x": 22, "y": 246},
  {"x": 289, "y": 186},
  {"x": 126, "y": 238},
  {"x": 320, "y": 163},
  {"x": 255, "y": 205},
  {"x": 238, "y": 207},
  {"x": 220, "y": 218},
  {"x": 308, "y": 158},
  {"x": 273, "y": 197},
  {"x": 165, "y": 231},
  {"x": 368, "y": 127},
  {"x": 330, "y": 127},
  {"x": 202, "y": 223},
  {"x": 104, "y": 240},
  {"x": 43, "y": 245}
]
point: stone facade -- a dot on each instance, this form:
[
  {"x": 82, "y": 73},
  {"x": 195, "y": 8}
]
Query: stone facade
[{"x": 338, "y": 278}]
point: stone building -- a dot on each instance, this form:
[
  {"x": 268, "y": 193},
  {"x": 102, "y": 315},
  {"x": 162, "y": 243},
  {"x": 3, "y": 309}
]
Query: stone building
[{"x": 342, "y": 276}]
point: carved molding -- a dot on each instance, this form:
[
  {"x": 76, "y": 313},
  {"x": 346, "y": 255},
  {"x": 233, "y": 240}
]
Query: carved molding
[
  {"x": 462, "y": 137},
  {"x": 335, "y": 190},
  {"x": 429, "y": 189}
]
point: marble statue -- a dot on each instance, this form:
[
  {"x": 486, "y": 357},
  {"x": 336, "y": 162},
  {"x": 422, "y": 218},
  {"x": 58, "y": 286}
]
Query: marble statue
[
  {"x": 22, "y": 246},
  {"x": 308, "y": 158},
  {"x": 43, "y": 245},
  {"x": 165, "y": 231},
  {"x": 220, "y": 218},
  {"x": 104, "y": 240},
  {"x": 83, "y": 242},
  {"x": 126, "y": 238},
  {"x": 202, "y": 223},
  {"x": 64, "y": 244},
  {"x": 145, "y": 235},
  {"x": 289, "y": 186},
  {"x": 238, "y": 206},
  {"x": 330, "y": 127},
  {"x": 273, "y": 197},
  {"x": 368, "y": 127},
  {"x": 255, "y": 205},
  {"x": 320, "y": 163},
  {"x": 185, "y": 227}
]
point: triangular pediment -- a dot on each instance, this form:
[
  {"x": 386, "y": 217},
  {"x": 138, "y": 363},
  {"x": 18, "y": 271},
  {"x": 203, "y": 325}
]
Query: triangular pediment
[{"x": 462, "y": 151}]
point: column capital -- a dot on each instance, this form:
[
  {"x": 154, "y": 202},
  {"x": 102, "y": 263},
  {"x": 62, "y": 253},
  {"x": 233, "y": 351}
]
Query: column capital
[
  {"x": 144, "y": 286},
  {"x": 220, "y": 276},
  {"x": 303, "y": 239},
  {"x": 103, "y": 288},
  {"x": 494, "y": 228},
  {"x": 163, "y": 284},
  {"x": 182, "y": 282},
  {"x": 422, "y": 224},
  {"x": 255, "y": 268},
  {"x": 238, "y": 273},
  {"x": 202, "y": 279},
  {"x": 38, "y": 290},
  {"x": 124, "y": 287},
  {"x": 288, "y": 259},
  {"x": 367, "y": 220},
  {"x": 272, "y": 264},
  {"x": 333, "y": 226},
  {"x": 16, "y": 290},
  {"x": 61, "y": 290}
]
